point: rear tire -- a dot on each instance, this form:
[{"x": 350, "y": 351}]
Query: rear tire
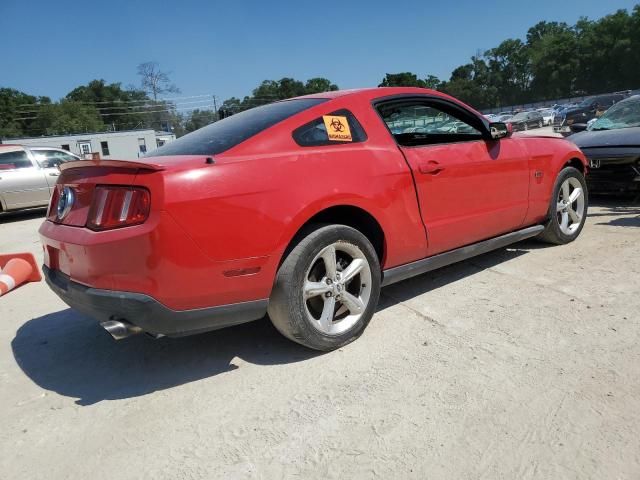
[
  {"x": 568, "y": 208},
  {"x": 327, "y": 288}
]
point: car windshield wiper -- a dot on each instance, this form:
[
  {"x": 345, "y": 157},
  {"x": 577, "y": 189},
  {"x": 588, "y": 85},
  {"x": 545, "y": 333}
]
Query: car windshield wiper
[{"x": 600, "y": 128}]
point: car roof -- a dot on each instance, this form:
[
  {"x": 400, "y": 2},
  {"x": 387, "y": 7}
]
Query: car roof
[{"x": 374, "y": 93}]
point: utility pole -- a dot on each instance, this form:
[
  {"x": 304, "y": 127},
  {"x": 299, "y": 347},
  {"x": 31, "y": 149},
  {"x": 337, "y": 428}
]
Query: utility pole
[{"x": 215, "y": 107}]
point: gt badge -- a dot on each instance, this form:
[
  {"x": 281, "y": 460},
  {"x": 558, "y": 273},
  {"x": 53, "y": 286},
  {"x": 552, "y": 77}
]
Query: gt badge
[{"x": 337, "y": 128}]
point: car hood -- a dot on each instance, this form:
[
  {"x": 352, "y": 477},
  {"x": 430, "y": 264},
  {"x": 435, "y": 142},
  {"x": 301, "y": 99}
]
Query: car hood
[
  {"x": 621, "y": 137},
  {"x": 576, "y": 111}
]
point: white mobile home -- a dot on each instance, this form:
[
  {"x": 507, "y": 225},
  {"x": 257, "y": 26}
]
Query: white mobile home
[{"x": 123, "y": 145}]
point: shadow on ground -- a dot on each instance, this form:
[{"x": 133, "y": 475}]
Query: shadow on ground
[
  {"x": 624, "y": 213},
  {"x": 19, "y": 216},
  {"x": 70, "y": 354}
]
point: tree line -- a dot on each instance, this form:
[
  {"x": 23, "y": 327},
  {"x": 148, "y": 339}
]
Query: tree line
[{"x": 555, "y": 60}]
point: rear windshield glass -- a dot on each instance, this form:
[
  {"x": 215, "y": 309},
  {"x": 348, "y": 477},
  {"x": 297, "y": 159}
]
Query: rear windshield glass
[{"x": 229, "y": 132}]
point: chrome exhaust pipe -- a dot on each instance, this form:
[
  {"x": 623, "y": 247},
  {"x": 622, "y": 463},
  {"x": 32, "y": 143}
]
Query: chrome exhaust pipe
[{"x": 119, "y": 329}]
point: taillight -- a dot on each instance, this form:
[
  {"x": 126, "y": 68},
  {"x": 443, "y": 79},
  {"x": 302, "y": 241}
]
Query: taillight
[
  {"x": 53, "y": 202},
  {"x": 114, "y": 207}
]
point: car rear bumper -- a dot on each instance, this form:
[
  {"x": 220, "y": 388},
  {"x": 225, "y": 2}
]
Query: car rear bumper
[{"x": 146, "y": 312}]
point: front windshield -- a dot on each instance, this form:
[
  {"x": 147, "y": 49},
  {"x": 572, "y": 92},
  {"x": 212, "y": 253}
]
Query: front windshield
[
  {"x": 586, "y": 103},
  {"x": 622, "y": 115}
]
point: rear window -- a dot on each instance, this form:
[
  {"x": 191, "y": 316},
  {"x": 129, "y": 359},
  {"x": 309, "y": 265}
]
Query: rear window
[
  {"x": 14, "y": 160},
  {"x": 233, "y": 130}
]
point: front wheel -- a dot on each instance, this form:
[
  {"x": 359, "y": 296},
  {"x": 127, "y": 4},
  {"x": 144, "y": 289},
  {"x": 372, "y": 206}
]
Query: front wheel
[
  {"x": 540, "y": 124},
  {"x": 327, "y": 288},
  {"x": 568, "y": 209}
]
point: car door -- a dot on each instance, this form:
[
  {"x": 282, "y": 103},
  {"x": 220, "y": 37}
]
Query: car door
[
  {"x": 469, "y": 187},
  {"x": 22, "y": 181}
]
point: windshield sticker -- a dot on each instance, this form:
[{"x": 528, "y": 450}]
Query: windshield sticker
[{"x": 337, "y": 128}]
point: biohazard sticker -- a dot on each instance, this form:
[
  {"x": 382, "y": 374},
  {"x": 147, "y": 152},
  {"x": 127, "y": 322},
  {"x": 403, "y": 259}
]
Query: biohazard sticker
[{"x": 337, "y": 128}]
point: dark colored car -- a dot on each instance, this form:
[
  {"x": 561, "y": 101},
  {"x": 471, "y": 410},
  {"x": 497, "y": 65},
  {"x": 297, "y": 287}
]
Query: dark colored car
[
  {"x": 526, "y": 120},
  {"x": 589, "y": 108},
  {"x": 612, "y": 145}
]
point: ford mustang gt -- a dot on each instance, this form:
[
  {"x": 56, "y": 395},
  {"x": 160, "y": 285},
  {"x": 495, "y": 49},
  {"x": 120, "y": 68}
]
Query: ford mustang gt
[{"x": 302, "y": 209}]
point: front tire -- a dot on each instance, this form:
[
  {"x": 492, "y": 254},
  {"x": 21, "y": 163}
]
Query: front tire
[
  {"x": 568, "y": 209},
  {"x": 327, "y": 288}
]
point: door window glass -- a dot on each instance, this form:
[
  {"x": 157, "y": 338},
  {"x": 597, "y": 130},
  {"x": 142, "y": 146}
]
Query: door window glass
[
  {"x": 52, "y": 158},
  {"x": 14, "y": 160},
  {"x": 418, "y": 123}
]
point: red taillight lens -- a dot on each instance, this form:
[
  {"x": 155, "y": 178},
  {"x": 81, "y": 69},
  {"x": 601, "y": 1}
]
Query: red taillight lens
[{"x": 114, "y": 207}]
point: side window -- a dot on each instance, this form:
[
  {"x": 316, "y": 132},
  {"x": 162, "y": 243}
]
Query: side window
[
  {"x": 421, "y": 123},
  {"x": 14, "y": 160},
  {"x": 336, "y": 128},
  {"x": 51, "y": 158}
]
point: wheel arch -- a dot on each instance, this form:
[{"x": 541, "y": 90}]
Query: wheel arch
[
  {"x": 345, "y": 214},
  {"x": 576, "y": 163}
]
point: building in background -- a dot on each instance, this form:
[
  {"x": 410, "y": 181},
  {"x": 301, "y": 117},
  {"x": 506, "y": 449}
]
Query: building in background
[{"x": 123, "y": 145}]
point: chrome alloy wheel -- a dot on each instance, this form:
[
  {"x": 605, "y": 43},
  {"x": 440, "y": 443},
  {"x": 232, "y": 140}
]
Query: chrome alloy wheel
[
  {"x": 337, "y": 288},
  {"x": 570, "y": 207}
]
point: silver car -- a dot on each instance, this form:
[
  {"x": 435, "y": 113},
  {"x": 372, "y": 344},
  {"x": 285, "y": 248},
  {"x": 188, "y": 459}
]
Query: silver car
[{"x": 28, "y": 175}]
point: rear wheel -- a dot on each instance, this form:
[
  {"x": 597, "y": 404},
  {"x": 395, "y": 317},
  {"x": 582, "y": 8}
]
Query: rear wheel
[
  {"x": 327, "y": 288},
  {"x": 568, "y": 209}
]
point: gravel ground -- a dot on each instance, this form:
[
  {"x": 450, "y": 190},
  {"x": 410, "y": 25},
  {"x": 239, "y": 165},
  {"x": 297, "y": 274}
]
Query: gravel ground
[{"x": 523, "y": 363}]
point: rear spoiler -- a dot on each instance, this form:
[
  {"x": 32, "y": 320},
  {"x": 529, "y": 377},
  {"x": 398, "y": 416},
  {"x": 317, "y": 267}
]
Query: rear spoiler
[{"x": 111, "y": 163}]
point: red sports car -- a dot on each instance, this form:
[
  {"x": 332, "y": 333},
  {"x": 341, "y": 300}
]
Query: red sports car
[{"x": 302, "y": 209}]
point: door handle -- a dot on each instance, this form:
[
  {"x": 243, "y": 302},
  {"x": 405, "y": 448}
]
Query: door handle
[
  {"x": 54, "y": 174},
  {"x": 431, "y": 167}
]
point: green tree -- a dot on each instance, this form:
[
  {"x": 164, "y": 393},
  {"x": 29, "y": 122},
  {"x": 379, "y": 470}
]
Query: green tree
[
  {"x": 67, "y": 117},
  {"x": 403, "y": 79},
  {"x": 18, "y": 111},
  {"x": 432, "y": 82},
  {"x": 198, "y": 119},
  {"x": 119, "y": 108},
  {"x": 319, "y": 85}
]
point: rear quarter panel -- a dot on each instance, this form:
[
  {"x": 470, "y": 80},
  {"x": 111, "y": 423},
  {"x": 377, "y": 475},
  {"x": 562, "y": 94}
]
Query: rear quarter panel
[{"x": 252, "y": 202}]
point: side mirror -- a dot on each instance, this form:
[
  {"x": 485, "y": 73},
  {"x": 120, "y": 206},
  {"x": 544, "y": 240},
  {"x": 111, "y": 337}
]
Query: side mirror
[
  {"x": 500, "y": 130},
  {"x": 578, "y": 127}
]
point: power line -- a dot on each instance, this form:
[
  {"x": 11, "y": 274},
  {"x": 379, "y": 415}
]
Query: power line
[
  {"x": 121, "y": 101},
  {"x": 136, "y": 113},
  {"x": 128, "y": 107}
]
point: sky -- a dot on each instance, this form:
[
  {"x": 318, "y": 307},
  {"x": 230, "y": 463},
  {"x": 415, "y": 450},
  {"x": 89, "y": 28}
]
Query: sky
[{"x": 227, "y": 48}]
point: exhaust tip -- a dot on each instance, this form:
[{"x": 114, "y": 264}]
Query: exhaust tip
[{"x": 119, "y": 329}]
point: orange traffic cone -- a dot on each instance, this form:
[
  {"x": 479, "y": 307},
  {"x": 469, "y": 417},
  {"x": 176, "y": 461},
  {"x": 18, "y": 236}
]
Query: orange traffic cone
[{"x": 20, "y": 268}]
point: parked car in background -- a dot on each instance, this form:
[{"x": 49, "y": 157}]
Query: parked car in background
[
  {"x": 612, "y": 145},
  {"x": 592, "y": 107},
  {"x": 503, "y": 117},
  {"x": 28, "y": 175},
  {"x": 526, "y": 120},
  {"x": 304, "y": 209},
  {"x": 547, "y": 115}
]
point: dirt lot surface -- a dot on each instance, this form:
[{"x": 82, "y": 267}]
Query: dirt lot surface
[{"x": 519, "y": 364}]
